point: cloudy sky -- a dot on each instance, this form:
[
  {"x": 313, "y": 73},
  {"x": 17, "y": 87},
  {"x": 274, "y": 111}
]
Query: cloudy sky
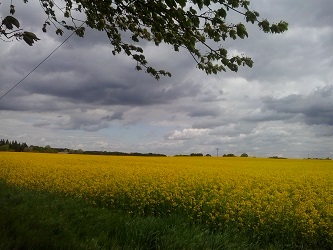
[{"x": 84, "y": 97}]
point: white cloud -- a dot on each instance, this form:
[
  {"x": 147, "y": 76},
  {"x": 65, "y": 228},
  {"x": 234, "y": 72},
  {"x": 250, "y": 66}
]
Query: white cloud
[{"x": 187, "y": 134}]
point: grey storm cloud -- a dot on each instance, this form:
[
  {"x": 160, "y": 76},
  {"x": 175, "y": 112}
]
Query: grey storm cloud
[
  {"x": 315, "y": 108},
  {"x": 85, "y": 89},
  {"x": 114, "y": 116},
  {"x": 107, "y": 93},
  {"x": 204, "y": 110},
  {"x": 80, "y": 120}
]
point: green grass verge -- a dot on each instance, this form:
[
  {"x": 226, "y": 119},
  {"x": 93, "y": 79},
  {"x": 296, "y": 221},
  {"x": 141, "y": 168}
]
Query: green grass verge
[{"x": 41, "y": 220}]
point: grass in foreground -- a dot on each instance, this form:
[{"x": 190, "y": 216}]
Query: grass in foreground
[{"x": 42, "y": 220}]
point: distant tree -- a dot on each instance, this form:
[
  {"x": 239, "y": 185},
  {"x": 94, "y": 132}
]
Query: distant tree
[
  {"x": 228, "y": 155},
  {"x": 49, "y": 149},
  {"x": 4, "y": 147},
  {"x": 208, "y": 155},
  {"x": 23, "y": 146},
  {"x": 196, "y": 154},
  {"x": 276, "y": 157},
  {"x": 13, "y": 145},
  {"x": 38, "y": 149},
  {"x": 244, "y": 155},
  {"x": 198, "y": 26}
]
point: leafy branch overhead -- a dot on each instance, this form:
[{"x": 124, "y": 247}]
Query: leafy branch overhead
[
  {"x": 198, "y": 26},
  {"x": 10, "y": 28}
]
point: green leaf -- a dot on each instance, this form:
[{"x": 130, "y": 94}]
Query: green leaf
[
  {"x": 207, "y": 2},
  {"x": 135, "y": 38},
  {"x": 59, "y": 32},
  {"x": 170, "y": 3},
  {"x": 251, "y": 16},
  {"x": 241, "y": 31},
  {"x": 264, "y": 25},
  {"x": 182, "y": 3},
  {"x": 138, "y": 68},
  {"x": 232, "y": 34},
  {"x": 29, "y": 37},
  {"x": 12, "y": 9},
  {"x": 222, "y": 13},
  {"x": 199, "y": 3},
  {"x": 80, "y": 31},
  {"x": 10, "y": 22},
  {"x": 193, "y": 11}
]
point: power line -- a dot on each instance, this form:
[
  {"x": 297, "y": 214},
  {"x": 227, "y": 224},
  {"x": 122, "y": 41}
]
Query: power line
[{"x": 36, "y": 67}]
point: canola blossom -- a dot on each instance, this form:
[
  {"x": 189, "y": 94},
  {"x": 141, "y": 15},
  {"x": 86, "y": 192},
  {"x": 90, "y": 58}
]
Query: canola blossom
[{"x": 282, "y": 198}]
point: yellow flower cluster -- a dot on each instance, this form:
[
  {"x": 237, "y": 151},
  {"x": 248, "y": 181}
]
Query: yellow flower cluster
[{"x": 265, "y": 196}]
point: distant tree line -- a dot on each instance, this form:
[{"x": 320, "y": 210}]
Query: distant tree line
[
  {"x": 316, "y": 158},
  {"x": 14, "y": 146},
  {"x": 232, "y": 155},
  {"x": 200, "y": 154},
  {"x": 192, "y": 154},
  {"x": 228, "y": 155},
  {"x": 277, "y": 157},
  {"x": 122, "y": 153}
]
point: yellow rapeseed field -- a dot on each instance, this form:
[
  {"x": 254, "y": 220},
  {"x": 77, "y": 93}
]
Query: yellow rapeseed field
[{"x": 267, "y": 196}]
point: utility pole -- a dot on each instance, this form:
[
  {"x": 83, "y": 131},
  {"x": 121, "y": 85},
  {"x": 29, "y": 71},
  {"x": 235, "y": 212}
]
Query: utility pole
[{"x": 217, "y": 152}]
